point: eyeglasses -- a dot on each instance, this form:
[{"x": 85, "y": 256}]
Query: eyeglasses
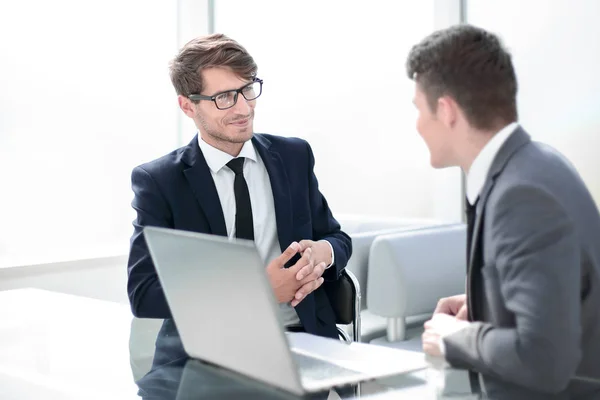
[{"x": 228, "y": 99}]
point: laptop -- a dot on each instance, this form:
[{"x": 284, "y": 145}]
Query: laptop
[{"x": 227, "y": 315}]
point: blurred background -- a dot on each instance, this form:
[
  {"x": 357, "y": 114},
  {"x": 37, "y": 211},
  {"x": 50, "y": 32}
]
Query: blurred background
[{"x": 85, "y": 96}]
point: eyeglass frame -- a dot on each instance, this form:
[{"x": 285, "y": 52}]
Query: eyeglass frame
[{"x": 213, "y": 98}]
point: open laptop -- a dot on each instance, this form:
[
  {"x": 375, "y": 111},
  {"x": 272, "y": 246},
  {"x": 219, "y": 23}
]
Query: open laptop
[{"x": 227, "y": 314}]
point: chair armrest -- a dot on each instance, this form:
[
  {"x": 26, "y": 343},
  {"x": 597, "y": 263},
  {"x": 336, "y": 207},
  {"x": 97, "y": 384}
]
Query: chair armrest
[{"x": 410, "y": 271}]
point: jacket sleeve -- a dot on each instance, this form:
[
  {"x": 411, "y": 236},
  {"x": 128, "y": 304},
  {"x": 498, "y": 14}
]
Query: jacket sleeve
[
  {"x": 145, "y": 293},
  {"x": 537, "y": 267}
]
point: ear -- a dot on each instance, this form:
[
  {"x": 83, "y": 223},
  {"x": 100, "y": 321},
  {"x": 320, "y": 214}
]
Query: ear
[
  {"x": 447, "y": 111},
  {"x": 187, "y": 106}
]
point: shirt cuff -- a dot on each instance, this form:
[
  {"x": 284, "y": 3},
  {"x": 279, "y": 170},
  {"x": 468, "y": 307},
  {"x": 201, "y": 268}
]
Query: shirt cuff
[{"x": 332, "y": 253}]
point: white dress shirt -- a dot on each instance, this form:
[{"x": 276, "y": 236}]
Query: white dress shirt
[
  {"x": 481, "y": 165},
  {"x": 476, "y": 178},
  {"x": 261, "y": 199}
]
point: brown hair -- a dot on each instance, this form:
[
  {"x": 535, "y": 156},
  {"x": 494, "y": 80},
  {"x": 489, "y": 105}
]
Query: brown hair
[
  {"x": 470, "y": 65},
  {"x": 216, "y": 50}
]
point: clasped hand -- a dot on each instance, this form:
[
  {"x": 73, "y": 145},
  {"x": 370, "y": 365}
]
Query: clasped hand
[{"x": 295, "y": 283}]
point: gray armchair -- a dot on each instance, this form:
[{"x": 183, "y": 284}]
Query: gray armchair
[
  {"x": 364, "y": 230},
  {"x": 410, "y": 271}
]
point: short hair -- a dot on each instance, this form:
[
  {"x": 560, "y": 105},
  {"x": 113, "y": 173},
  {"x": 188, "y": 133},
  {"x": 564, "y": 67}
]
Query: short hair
[
  {"x": 216, "y": 50},
  {"x": 470, "y": 65}
]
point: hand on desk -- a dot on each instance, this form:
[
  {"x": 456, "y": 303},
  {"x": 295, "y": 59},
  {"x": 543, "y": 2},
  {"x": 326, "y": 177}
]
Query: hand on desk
[
  {"x": 285, "y": 282},
  {"x": 436, "y": 328}
]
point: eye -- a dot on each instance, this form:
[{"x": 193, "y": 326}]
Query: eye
[{"x": 225, "y": 96}]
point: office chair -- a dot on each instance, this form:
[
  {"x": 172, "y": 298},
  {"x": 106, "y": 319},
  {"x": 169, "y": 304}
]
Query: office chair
[{"x": 344, "y": 296}]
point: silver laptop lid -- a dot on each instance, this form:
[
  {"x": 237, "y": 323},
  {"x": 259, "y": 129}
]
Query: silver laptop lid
[{"x": 223, "y": 304}]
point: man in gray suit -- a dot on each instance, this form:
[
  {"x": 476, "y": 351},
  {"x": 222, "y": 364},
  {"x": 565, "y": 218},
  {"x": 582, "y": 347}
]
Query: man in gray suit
[{"x": 529, "y": 325}]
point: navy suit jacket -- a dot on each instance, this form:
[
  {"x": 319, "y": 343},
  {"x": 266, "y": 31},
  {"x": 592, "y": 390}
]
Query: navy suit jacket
[{"x": 177, "y": 191}]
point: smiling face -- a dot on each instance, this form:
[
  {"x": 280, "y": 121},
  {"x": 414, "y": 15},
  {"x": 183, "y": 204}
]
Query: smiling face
[
  {"x": 434, "y": 131},
  {"x": 226, "y": 130}
]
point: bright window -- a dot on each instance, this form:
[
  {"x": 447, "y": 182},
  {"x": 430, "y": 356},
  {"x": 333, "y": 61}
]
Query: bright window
[{"x": 84, "y": 97}]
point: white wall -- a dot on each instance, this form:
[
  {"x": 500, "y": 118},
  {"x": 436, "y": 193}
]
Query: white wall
[
  {"x": 556, "y": 53},
  {"x": 85, "y": 96}
]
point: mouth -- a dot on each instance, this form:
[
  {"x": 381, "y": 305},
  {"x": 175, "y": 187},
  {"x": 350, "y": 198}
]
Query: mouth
[{"x": 241, "y": 122}]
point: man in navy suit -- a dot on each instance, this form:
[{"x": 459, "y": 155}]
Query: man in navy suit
[{"x": 231, "y": 182}]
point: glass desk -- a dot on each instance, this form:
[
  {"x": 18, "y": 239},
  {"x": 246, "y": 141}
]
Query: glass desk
[{"x": 58, "y": 346}]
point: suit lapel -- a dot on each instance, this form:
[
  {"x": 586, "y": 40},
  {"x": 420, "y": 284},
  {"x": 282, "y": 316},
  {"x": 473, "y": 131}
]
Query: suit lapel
[
  {"x": 280, "y": 187},
  {"x": 282, "y": 200},
  {"x": 198, "y": 175},
  {"x": 514, "y": 142}
]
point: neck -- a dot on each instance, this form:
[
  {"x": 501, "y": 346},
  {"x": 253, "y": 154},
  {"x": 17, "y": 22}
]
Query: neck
[
  {"x": 231, "y": 148},
  {"x": 474, "y": 142}
]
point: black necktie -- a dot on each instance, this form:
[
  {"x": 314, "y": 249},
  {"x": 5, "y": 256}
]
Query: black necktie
[
  {"x": 244, "y": 226},
  {"x": 470, "y": 226}
]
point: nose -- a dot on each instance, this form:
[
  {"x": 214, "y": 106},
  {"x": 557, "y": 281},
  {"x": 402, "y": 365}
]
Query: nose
[{"x": 243, "y": 106}]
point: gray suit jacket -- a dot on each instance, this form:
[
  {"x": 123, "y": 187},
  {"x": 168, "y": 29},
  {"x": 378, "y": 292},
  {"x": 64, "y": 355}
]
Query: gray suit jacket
[{"x": 533, "y": 285}]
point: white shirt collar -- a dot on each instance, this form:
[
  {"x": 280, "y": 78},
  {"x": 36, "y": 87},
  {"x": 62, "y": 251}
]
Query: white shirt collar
[
  {"x": 217, "y": 159},
  {"x": 482, "y": 163}
]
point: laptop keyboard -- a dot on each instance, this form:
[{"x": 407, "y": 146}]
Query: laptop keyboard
[{"x": 313, "y": 369}]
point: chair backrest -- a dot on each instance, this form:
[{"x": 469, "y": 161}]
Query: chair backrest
[
  {"x": 410, "y": 271},
  {"x": 363, "y": 230}
]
